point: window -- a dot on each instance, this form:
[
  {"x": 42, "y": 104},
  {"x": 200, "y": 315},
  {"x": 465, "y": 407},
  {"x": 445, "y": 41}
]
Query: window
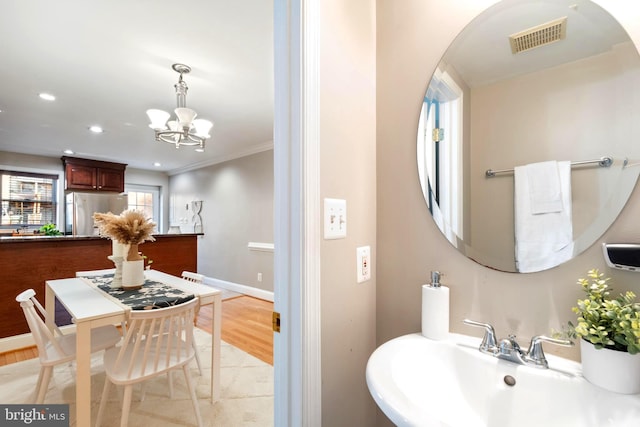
[
  {"x": 28, "y": 199},
  {"x": 440, "y": 140},
  {"x": 145, "y": 198}
]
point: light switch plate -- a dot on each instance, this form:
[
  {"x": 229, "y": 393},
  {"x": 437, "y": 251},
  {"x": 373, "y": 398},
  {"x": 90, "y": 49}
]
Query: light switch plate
[
  {"x": 335, "y": 219},
  {"x": 363, "y": 263}
]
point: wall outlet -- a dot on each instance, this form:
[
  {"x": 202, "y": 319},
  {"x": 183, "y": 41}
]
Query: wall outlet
[
  {"x": 363, "y": 263},
  {"x": 259, "y": 277}
]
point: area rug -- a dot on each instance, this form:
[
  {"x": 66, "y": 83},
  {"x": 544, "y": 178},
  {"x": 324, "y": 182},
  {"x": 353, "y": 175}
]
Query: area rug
[{"x": 246, "y": 391}]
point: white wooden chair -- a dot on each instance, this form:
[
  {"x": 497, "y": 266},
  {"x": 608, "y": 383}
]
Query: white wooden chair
[
  {"x": 157, "y": 341},
  {"x": 54, "y": 347},
  {"x": 195, "y": 278}
]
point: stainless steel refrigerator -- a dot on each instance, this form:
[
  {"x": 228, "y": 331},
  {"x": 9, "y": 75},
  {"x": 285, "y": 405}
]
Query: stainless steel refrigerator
[{"x": 80, "y": 208}]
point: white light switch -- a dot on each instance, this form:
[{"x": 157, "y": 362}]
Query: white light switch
[
  {"x": 335, "y": 219},
  {"x": 363, "y": 256}
]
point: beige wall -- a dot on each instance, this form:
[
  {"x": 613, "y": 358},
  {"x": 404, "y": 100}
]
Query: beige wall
[
  {"x": 237, "y": 208},
  {"x": 411, "y": 40},
  {"x": 348, "y": 171}
]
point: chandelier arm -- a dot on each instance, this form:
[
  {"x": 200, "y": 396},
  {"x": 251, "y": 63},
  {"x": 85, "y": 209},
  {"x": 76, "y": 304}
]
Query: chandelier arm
[
  {"x": 196, "y": 139},
  {"x": 169, "y": 137}
]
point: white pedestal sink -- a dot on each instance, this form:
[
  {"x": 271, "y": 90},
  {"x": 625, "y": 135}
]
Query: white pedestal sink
[{"x": 420, "y": 382}]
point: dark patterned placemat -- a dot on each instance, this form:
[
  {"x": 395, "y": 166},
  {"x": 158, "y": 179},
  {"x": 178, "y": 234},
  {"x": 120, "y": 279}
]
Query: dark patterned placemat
[{"x": 151, "y": 295}]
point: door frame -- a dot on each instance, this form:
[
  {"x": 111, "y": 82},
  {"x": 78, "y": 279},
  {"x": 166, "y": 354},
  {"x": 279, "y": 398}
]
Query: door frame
[{"x": 297, "y": 347}]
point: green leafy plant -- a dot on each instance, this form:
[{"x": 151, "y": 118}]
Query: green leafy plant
[
  {"x": 604, "y": 322},
  {"x": 146, "y": 261},
  {"x": 50, "y": 230}
]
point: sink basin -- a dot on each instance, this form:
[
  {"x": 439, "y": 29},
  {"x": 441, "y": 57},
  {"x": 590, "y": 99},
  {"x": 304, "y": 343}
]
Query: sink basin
[{"x": 420, "y": 382}]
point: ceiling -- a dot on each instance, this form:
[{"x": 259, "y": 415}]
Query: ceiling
[
  {"x": 109, "y": 61},
  {"x": 482, "y": 55}
]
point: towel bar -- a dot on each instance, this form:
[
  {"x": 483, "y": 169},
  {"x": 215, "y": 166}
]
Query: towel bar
[{"x": 603, "y": 162}]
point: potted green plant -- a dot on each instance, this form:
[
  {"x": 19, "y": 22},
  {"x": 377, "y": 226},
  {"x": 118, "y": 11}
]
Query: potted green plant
[
  {"x": 50, "y": 230},
  {"x": 610, "y": 335}
]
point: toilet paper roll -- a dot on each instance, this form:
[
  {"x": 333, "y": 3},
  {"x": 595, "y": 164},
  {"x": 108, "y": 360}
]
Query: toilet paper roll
[{"x": 435, "y": 312}]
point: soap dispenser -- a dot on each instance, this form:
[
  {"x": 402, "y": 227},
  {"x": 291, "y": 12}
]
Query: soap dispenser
[{"x": 435, "y": 308}]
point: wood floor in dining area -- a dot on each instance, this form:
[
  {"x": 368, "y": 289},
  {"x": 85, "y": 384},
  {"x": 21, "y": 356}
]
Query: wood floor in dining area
[{"x": 246, "y": 324}]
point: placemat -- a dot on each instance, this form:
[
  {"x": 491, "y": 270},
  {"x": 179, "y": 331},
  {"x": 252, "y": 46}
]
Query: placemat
[{"x": 152, "y": 295}]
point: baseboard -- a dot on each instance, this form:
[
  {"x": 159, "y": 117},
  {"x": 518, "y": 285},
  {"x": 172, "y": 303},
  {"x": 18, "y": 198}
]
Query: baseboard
[
  {"x": 17, "y": 342},
  {"x": 236, "y": 287}
]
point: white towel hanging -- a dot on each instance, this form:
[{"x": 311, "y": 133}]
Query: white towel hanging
[
  {"x": 544, "y": 187},
  {"x": 544, "y": 235}
]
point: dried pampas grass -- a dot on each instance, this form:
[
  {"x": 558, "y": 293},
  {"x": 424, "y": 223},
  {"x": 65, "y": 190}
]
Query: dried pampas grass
[{"x": 130, "y": 227}]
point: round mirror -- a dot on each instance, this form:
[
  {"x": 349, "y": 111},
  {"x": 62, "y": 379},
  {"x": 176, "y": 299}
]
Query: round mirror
[{"x": 528, "y": 135}]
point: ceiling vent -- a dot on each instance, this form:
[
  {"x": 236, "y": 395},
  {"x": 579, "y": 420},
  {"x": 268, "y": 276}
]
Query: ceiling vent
[{"x": 539, "y": 35}]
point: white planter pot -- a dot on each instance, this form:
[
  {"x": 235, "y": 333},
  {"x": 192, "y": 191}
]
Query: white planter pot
[
  {"x": 612, "y": 370},
  {"x": 132, "y": 274}
]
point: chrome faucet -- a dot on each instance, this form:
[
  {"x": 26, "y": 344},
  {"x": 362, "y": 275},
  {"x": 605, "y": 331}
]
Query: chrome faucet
[
  {"x": 535, "y": 355},
  {"x": 509, "y": 349},
  {"x": 488, "y": 344}
]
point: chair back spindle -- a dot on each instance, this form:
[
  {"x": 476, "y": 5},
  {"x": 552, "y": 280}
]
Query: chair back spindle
[
  {"x": 193, "y": 277},
  {"x": 42, "y": 336},
  {"x": 157, "y": 341}
]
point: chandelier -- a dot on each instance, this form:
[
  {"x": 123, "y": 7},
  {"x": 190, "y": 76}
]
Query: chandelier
[{"x": 185, "y": 129}]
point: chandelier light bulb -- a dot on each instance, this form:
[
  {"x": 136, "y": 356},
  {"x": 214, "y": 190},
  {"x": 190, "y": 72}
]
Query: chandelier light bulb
[
  {"x": 202, "y": 127},
  {"x": 158, "y": 119},
  {"x": 185, "y": 116}
]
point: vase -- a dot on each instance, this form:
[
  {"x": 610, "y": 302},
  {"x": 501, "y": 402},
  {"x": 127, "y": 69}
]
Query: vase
[
  {"x": 116, "y": 282},
  {"x": 132, "y": 274},
  {"x": 132, "y": 253},
  {"x": 612, "y": 370},
  {"x": 118, "y": 251}
]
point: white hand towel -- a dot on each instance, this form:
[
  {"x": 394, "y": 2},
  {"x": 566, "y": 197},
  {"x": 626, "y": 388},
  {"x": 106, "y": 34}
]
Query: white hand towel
[
  {"x": 544, "y": 187},
  {"x": 543, "y": 240}
]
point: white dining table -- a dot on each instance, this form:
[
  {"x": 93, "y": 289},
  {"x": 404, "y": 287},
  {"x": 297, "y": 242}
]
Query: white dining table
[{"x": 90, "y": 307}]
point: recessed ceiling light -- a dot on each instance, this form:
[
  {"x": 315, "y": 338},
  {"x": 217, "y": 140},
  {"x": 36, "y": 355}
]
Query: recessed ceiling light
[
  {"x": 68, "y": 152},
  {"x": 96, "y": 129},
  {"x": 47, "y": 96},
  {"x": 199, "y": 150},
  {"x": 156, "y": 164}
]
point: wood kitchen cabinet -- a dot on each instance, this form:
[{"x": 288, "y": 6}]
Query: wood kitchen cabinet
[{"x": 93, "y": 175}]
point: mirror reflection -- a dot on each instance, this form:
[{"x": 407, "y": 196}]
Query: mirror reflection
[{"x": 543, "y": 93}]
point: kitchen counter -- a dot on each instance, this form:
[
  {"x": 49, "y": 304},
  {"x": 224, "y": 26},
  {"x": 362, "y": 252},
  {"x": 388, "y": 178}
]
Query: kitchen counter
[
  {"x": 36, "y": 237},
  {"x": 26, "y": 262}
]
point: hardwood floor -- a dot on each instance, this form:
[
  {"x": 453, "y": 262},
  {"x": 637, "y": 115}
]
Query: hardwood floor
[
  {"x": 246, "y": 324},
  {"x": 18, "y": 355}
]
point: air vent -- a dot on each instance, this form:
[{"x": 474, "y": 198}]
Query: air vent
[{"x": 539, "y": 35}]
